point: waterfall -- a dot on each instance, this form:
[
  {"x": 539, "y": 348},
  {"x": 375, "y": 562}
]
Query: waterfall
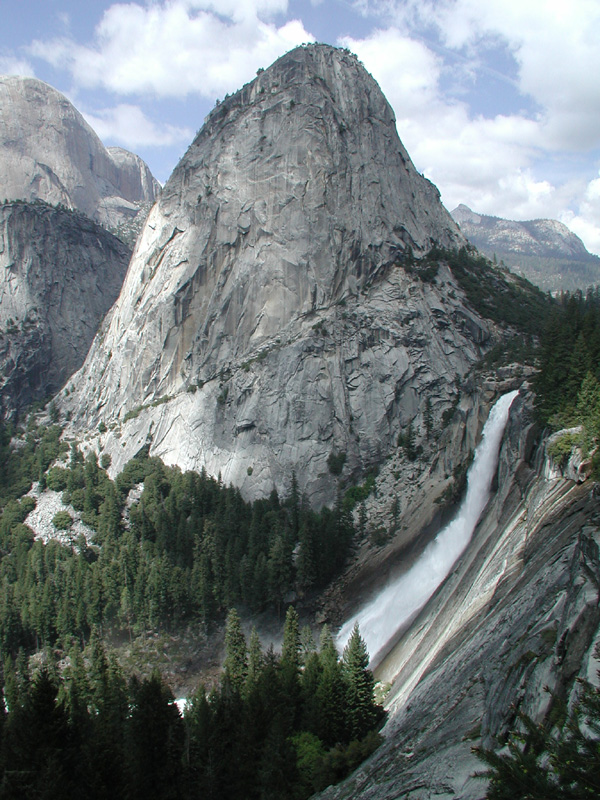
[{"x": 389, "y": 610}]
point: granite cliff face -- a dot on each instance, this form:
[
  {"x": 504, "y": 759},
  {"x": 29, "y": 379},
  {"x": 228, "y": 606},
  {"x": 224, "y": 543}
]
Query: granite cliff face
[
  {"x": 545, "y": 251},
  {"x": 60, "y": 273},
  {"x": 266, "y": 321},
  {"x": 48, "y": 152}
]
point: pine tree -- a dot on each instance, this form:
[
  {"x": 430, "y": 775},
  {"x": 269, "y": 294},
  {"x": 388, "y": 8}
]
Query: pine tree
[
  {"x": 407, "y": 440},
  {"x": 306, "y": 566},
  {"x": 198, "y": 721},
  {"x": 290, "y": 651},
  {"x": 360, "y": 704},
  {"x": 255, "y": 661},
  {"x": 227, "y": 765},
  {"x": 428, "y": 418},
  {"x": 307, "y": 643},
  {"x": 13, "y": 690},
  {"x": 78, "y": 694},
  {"x": 290, "y": 664},
  {"x": 330, "y": 694},
  {"x": 561, "y": 763},
  {"x": 580, "y": 364},
  {"x": 279, "y": 568},
  {"x": 109, "y": 702},
  {"x": 277, "y": 769},
  {"x": 236, "y": 653},
  {"x": 155, "y": 739},
  {"x": 588, "y": 407},
  {"x": 311, "y": 701},
  {"x": 40, "y": 757}
]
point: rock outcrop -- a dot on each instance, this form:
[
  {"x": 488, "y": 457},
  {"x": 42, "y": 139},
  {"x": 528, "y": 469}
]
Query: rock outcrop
[
  {"x": 59, "y": 274},
  {"x": 545, "y": 251},
  {"x": 267, "y": 320},
  {"x": 519, "y": 612},
  {"x": 48, "y": 152}
]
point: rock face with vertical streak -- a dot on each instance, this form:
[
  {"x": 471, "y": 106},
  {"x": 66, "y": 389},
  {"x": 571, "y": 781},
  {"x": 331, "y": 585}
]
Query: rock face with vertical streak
[
  {"x": 520, "y": 611},
  {"x": 266, "y": 306},
  {"x": 59, "y": 274},
  {"x": 48, "y": 152}
]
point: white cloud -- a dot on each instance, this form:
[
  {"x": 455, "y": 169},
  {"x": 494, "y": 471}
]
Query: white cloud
[
  {"x": 407, "y": 71},
  {"x": 15, "y": 66},
  {"x": 584, "y": 221},
  {"x": 490, "y": 163},
  {"x": 465, "y": 157},
  {"x": 176, "y": 48},
  {"x": 129, "y": 126},
  {"x": 555, "y": 46},
  {"x": 240, "y": 9}
]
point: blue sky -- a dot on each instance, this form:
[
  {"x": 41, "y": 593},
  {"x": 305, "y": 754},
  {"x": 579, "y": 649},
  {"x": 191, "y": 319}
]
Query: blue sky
[{"x": 497, "y": 101}]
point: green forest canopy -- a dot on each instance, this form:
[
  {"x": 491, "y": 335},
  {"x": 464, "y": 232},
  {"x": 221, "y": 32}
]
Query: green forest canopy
[
  {"x": 274, "y": 727},
  {"x": 189, "y": 549}
]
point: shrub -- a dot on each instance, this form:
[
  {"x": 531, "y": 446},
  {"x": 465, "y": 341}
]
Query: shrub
[
  {"x": 356, "y": 494},
  {"x": 135, "y": 412},
  {"x": 78, "y": 499},
  {"x": 560, "y": 449},
  {"x": 379, "y": 536},
  {"x": 335, "y": 462},
  {"x": 161, "y": 400},
  {"x": 133, "y": 473},
  {"x": 62, "y": 520},
  {"x": 56, "y": 479},
  {"x": 27, "y": 505}
]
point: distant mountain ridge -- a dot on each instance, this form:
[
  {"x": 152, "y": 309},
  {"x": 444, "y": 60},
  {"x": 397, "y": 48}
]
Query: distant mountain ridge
[
  {"x": 64, "y": 194},
  {"x": 49, "y": 152},
  {"x": 544, "y": 251}
]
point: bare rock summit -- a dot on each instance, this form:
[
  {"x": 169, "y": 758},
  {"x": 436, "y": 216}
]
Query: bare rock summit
[
  {"x": 49, "y": 152},
  {"x": 269, "y": 322}
]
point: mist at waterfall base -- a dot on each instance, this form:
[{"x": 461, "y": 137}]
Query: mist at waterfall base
[{"x": 389, "y": 610}]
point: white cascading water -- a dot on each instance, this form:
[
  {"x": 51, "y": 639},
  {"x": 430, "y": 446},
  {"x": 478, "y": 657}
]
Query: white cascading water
[{"x": 389, "y": 610}]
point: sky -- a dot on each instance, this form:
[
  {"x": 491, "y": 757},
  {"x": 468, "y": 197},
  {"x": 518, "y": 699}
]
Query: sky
[{"x": 496, "y": 101}]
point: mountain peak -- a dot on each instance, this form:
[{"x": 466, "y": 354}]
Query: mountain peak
[
  {"x": 463, "y": 213},
  {"x": 267, "y": 277},
  {"x": 544, "y": 250},
  {"x": 315, "y": 113},
  {"x": 49, "y": 152}
]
